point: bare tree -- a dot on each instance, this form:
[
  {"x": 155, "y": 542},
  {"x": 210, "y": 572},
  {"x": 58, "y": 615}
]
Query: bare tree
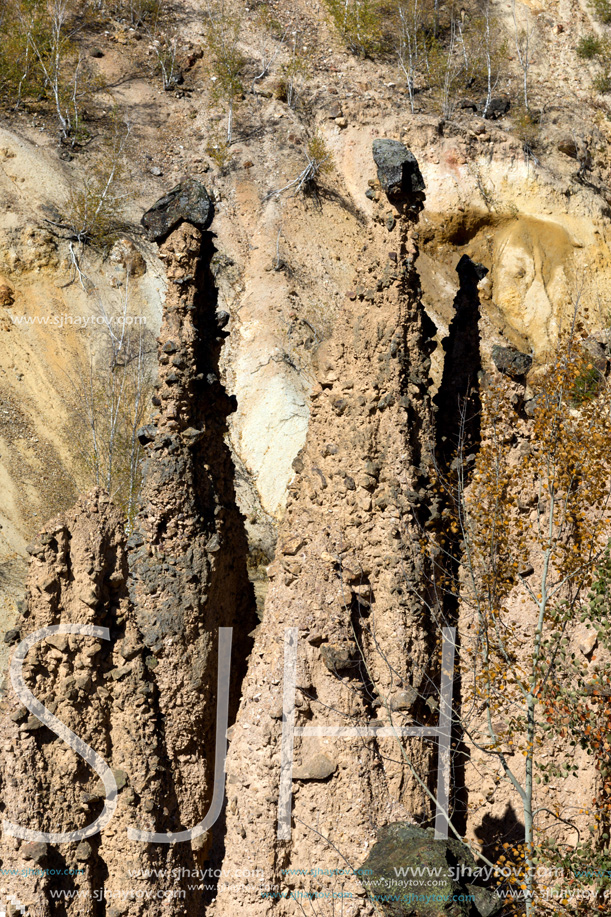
[
  {"x": 489, "y": 49},
  {"x": 226, "y": 60},
  {"x": 320, "y": 161},
  {"x": 524, "y": 36},
  {"x": 409, "y": 51},
  {"x": 270, "y": 45},
  {"x": 51, "y": 52},
  {"x": 110, "y": 399}
]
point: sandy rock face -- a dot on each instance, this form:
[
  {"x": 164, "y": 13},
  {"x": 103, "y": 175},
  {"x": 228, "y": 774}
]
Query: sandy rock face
[
  {"x": 345, "y": 578},
  {"x": 189, "y": 553},
  {"x": 146, "y": 699}
]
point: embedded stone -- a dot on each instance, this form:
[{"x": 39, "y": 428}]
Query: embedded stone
[
  {"x": 338, "y": 656},
  {"x": 318, "y": 767},
  {"x": 511, "y": 362}
]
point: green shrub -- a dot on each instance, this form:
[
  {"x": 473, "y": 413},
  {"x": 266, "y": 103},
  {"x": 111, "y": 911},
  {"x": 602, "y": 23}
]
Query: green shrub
[
  {"x": 93, "y": 210},
  {"x": 588, "y": 383},
  {"x": 602, "y": 82},
  {"x": 589, "y": 46},
  {"x": 601, "y": 9},
  {"x": 292, "y": 76},
  {"x": 219, "y": 151},
  {"x": 527, "y": 125},
  {"x": 225, "y": 60},
  {"x": 359, "y": 22},
  {"x": 40, "y": 60}
]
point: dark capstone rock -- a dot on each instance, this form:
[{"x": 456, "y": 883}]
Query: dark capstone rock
[
  {"x": 222, "y": 318},
  {"x": 398, "y": 869},
  {"x": 510, "y": 361},
  {"x": 499, "y": 106},
  {"x": 12, "y": 636},
  {"x": 146, "y": 434},
  {"x": 188, "y": 202},
  {"x": 398, "y": 168}
]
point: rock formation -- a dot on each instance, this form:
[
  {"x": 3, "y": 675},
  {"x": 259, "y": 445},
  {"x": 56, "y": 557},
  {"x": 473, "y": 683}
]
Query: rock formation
[
  {"x": 146, "y": 700},
  {"x": 348, "y": 577}
]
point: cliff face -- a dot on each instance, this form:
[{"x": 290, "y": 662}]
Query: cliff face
[
  {"x": 146, "y": 700},
  {"x": 346, "y": 580}
]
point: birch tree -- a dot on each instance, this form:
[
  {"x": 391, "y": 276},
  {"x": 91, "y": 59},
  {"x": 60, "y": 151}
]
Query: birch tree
[
  {"x": 110, "y": 397},
  {"x": 227, "y": 62},
  {"x": 527, "y": 532},
  {"x": 524, "y": 37},
  {"x": 410, "y": 51}
]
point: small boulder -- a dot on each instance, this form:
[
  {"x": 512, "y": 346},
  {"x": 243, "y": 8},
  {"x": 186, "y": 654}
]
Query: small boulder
[
  {"x": 35, "y": 851},
  {"x": 404, "y": 700},
  {"x": 399, "y": 866},
  {"x": 510, "y": 361},
  {"x": 6, "y": 295},
  {"x": 318, "y": 767},
  {"x": 498, "y": 106},
  {"x": 83, "y": 852},
  {"x": 398, "y": 169},
  {"x": 12, "y": 636},
  {"x": 595, "y": 352},
  {"x": 191, "y": 436},
  {"x": 292, "y": 545},
  {"x": 338, "y": 656},
  {"x": 120, "y": 778},
  {"x": 222, "y": 318},
  {"x": 135, "y": 541},
  {"x": 146, "y": 434},
  {"x": 588, "y": 643},
  {"x": 188, "y": 202}
]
